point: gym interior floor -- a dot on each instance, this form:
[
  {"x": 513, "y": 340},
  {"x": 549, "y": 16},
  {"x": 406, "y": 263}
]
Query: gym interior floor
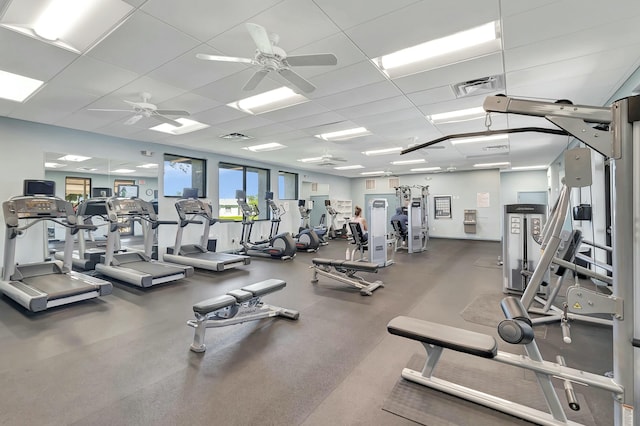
[{"x": 125, "y": 358}]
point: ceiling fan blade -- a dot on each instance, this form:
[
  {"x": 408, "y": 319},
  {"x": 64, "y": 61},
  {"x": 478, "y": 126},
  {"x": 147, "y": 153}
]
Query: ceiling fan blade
[
  {"x": 173, "y": 112},
  {"x": 133, "y": 104},
  {"x": 297, "y": 80},
  {"x": 310, "y": 60},
  {"x": 223, "y": 58},
  {"x": 260, "y": 38},
  {"x": 133, "y": 120},
  {"x": 109, "y": 110},
  {"x": 166, "y": 120},
  {"x": 255, "y": 79}
]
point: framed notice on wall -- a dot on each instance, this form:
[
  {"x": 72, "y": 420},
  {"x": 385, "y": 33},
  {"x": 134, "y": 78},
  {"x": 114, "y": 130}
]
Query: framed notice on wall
[{"x": 442, "y": 206}]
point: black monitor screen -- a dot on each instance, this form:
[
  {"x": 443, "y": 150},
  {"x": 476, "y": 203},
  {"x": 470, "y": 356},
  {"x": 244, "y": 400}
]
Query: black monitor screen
[
  {"x": 190, "y": 193},
  {"x": 301, "y": 203},
  {"x": 268, "y": 195},
  {"x": 101, "y": 192},
  {"x": 127, "y": 191},
  {"x": 39, "y": 187},
  {"x": 327, "y": 202}
]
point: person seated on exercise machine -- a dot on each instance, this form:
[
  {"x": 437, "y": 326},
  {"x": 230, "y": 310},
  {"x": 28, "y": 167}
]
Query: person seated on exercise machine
[
  {"x": 357, "y": 217},
  {"x": 402, "y": 217}
]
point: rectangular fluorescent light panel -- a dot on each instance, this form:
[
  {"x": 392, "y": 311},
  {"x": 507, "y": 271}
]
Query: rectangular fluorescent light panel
[
  {"x": 343, "y": 135},
  {"x": 457, "y": 116},
  {"x": 380, "y": 172},
  {"x": 310, "y": 160},
  {"x": 15, "y": 87},
  {"x": 188, "y": 126},
  {"x": 53, "y": 165},
  {"x": 384, "y": 151},
  {"x": 265, "y": 147},
  {"x": 479, "y": 139},
  {"x": 505, "y": 163},
  {"x": 148, "y": 166},
  {"x": 355, "y": 166},
  {"x": 439, "y": 52},
  {"x": 401, "y": 162},
  {"x": 528, "y": 168},
  {"x": 123, "y": 171},
  {"x": 77, "y": 158},
  {"x": 425, "y": 169},
  {"x": 59, "y": 16},
  {"x": 269, "y": 101}
]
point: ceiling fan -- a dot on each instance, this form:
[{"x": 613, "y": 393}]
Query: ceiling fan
[
  {"x": 269, "y": 57},
  {"x": 327, "y": 160},
  {"x": 148, "y": 110}
]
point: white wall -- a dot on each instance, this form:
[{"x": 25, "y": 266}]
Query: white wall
[
  {"x": 463, "y": 187},
  {"x": 513, "y": 182}
]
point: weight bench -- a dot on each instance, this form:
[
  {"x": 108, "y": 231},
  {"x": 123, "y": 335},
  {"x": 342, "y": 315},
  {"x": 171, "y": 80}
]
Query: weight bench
[
  {"x": 236, "y": 307},
  {"x": 345, "y": 272},
  {"x": 515, "y": 329}
]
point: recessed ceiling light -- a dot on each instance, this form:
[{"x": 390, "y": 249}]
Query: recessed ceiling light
[
  {"x": 425, "y": 169},
  {"x": 457, "y": 116},
  {"x": 504, "y": 163},
  {"x": 53, "y": 165},
  {"x": 269, "y": 101},
  {"x": 265, "y": 147},
  {"x": 378, "y": 172},
  {"x": 310, "y": 159},
  {"x": 443, "y": 51},
  {"x": 529, "y": 167},
  {"x": 355, "y": 166},
  {"x": 342, "y": 135},
  {"x": 187, "y": 126},
  {"x": 77, "y": 158},
  {"x": 148, "y": 166},
  {"x": 15, "y": 87},
  {"x": 88, "y": 169},
  {"x": 123, "y": 171},
  {"x": 479, "y": 139},
  {"x": 415, "y": 161},
  {"x": 384, "y": 151}
]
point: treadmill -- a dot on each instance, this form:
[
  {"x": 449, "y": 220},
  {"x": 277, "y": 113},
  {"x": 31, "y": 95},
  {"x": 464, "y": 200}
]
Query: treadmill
[
  {"x": 136, "y": 267},
  {"x": 195, "y": 211},
  {"x": 43, "y": 285}
]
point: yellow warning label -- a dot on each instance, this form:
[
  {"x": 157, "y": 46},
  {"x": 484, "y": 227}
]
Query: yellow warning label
[{"x": 577, "y": 306}]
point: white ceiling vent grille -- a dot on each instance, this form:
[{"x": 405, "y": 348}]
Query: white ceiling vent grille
[
  {"x": 314, "y": 187},
  {"x": 394, "y": 182},
  {"x": 478, "y": 86},
  {"x": 370, "y": 184},
  {"x": 236, "y": 136}
]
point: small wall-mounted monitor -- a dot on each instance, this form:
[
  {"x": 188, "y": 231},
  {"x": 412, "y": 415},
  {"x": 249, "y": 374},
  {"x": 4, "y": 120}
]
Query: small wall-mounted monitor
[
  {"x": 101, "y": 192},
  {"x": 268, "y": 195},
  {"x": 33, "y": 187},
  {"x": 127, "y": 191},
  {"x": 240, "y": 195},
  {"x": 327, "y": 202},
  {"x": 301, "y": 203},
  {"x": 190, "y": 193}
]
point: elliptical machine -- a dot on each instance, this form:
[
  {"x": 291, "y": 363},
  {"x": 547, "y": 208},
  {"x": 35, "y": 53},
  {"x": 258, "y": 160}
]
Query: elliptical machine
[
  {"x": 334, "y": 232},
  {"x": 277, "y": 246},
  {"x": 306, "y": 239}
]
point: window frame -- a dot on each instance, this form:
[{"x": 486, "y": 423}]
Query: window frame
[
  {"x": 296, "y": 189},
  {"x": 265, "y": 214},
  {"x": 203, "y": 179}
]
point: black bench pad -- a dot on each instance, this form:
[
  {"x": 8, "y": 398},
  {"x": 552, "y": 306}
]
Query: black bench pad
[
  {"x": 214, "y": 304},
  {"x": 347, "y": 264},
  {"x": 264, "y": 287},
  {"x": 453, "y": 338}
]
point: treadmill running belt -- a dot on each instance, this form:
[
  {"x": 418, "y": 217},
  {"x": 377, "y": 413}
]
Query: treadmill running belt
[
  {"x": 155, "y": 269},
  {"x": 58, "y": 286}
]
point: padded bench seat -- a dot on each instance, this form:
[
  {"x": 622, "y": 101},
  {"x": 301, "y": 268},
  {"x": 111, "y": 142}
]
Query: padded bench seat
[
  {"x": 347, "y": 264},
  {"x": 214, "y": 304},
  {"x": 264, "y": 287},
  {"x": 453, "y": 338},
  {"x": 238, "y": 296}
]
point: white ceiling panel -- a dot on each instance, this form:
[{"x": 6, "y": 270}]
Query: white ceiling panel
[
  {"x": 514, "y": 7},
  {"x": 314, "y": 121},
  {"x": 270, "y": 131},
  {"x": 229, "y": 89},
  {"x": 31, "y": 58},
  {"x": 219, "y": 115},
  {"x": 59, "y": 98},
  {"x": 360, "y": 95},
  {"x": 432, "y": 96},
  {"x": 339, "y": 44},
  {"x": 354, "y": 12},
  {"x": 245, "y": 124},
  {"x": 421, "y": 22},
  {"x": 377, "y": 107},
  {"x": 294, "y": 112},
  {"x": 88, "y": 120},
  {"x": 190, "y": 102},
  {"x": 142, "y": 44},
  {"x": 356, "y": 75},
  {"x": 204, "y": 19}
]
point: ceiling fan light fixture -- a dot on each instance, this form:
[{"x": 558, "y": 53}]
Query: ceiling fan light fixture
[
  {"x": 16, "y": 87},
  {"x": 443, "y": 51},
  {"x": 272, "y": 146},
  {"x": 403, "y": 162},
  {"x": 353, "y": 167},
  {"x": 342, "y": 135},
  {"x": 272, "y": 100},
  {"x": 426, "y": 169},
  {"x": 311, "y": 159},
  {"x": 479, "y": 139},
  {"x": 457, "y": 116},
  {"x": 385, "y": 151},
  {"x": 187, "y": 126}
]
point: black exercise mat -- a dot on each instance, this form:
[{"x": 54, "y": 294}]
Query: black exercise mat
[{"x": 428, "y": 406}]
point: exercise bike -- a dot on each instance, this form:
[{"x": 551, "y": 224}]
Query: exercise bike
[{"x": 277, "y": 246}]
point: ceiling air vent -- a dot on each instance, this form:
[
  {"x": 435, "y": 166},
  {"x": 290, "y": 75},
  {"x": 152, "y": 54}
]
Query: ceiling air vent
[
  {"x": 236, "y": 136},
  {"x": 478, "y": 86}
]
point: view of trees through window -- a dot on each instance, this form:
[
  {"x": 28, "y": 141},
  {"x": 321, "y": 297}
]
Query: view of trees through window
[{"x": 253, "y": 181}]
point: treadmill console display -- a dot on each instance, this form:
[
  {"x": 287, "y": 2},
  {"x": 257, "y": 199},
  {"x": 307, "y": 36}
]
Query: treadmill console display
[
  {"x": 127, "y": 207},
  {"x": 191, "y": 206},
  {"x": 38, "y": 207}
]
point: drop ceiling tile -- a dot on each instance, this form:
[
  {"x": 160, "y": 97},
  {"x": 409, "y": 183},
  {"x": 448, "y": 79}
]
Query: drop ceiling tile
[
  {"x": 347, "y": 78},
  {"x": 204, "y": 19},
  {"x": 90, "y": 120},
  {"x": 376, "y": 107},
  {"x": 31, "y": 58},
  {"x": 273, "y": 131},
  {"x": 317, "y": 120},
  {"x": 229, "y": 89},
  {"x": 360, "y": 95},
  {"x": 219, "y": 115},
  {"x": 432, "y": 96},
  {"x": 59, "y": 98},
  {"x": 420, "y": 22},
  {"x": 294, "y": 112},
  {"x": 244, "y": 125},
  {"x": 93, "y": 76},
  {"x": 189, "y": 102},
  {"x": 354, "y": 12},
  {"x": 142, "y": 43}
]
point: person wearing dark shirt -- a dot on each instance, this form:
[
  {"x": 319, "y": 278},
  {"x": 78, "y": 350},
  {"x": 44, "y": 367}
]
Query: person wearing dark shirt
[{"x": 402, "y": 217}]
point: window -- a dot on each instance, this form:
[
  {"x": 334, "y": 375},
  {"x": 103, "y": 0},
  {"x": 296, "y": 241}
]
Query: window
[
  {"x": 287, "y": 186},
  {"x": 253, "y": 181},
  {"x": 76, "y": 189},
  {"x": 182, "y": 172}
]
